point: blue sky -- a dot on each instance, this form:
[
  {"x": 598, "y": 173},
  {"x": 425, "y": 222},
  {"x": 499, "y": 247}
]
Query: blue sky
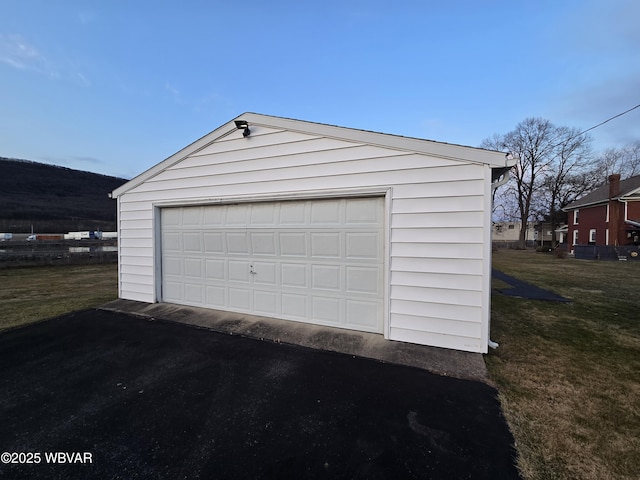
[{"x": 117, "y": 86}]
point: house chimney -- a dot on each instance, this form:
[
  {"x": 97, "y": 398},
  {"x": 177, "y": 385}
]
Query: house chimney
[
  {"x": 614, "y": 185},
  {"x": 616, "y": 237}
]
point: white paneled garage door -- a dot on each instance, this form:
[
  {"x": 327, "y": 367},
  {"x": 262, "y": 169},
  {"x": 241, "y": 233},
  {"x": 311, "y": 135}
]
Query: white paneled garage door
[{"x": 316, "y": 261}]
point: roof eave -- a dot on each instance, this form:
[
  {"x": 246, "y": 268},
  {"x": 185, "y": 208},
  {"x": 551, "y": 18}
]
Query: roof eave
[
  {"x": 387, "y": 140},
  {"x": 588, "y": 204}
]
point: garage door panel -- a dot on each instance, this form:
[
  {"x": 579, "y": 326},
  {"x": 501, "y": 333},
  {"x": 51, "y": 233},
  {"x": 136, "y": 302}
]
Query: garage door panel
[
  {"x": 194, "y": 293},
  {"x": 325, "y": 212},
  {"x": 214, "y": 242},
  {"x": 171, "y": 216},
  {"x": 364, "y": 211},
  {"x": 294, "y": 275},
  {"x": 237, "y": 214},
  {"x": 192, "y": 216},
  {"x": 237, "y": 243},
  {"x": 172, "y": 266},
  {"x": 292, "y": 213},
  {"x": 191, "y": 242},
  {"x": 263, "y": 243},
  {"x": 193, "y": 268},
  {"x": 363, "y": 280},
  {"x": 365, "y": 245},
  {"x": 263, "y": 214},
  {"x": 265, "y": 273},
  {"x": 294, "y": 305},
  {"x": 215, "y": 269},
  {"x": 240, "y": 299},
  {"x": 293, "y": 244},
  {"x": 265, "y": 303},
  {"x": 325, "y": 309},
  {"x": 172, "y": 291},
  {"x": 239, "y": 271},
  {"x": 315, "y": 261},
  {"x": 172, "y": 242},
  {"x": 326, "y": 245},
  {"x": 363, "y": 314},
  {"x": 213, "y": 216},
  {"x": 215, "y": 296},
  {"x": 326, "y": 277}
]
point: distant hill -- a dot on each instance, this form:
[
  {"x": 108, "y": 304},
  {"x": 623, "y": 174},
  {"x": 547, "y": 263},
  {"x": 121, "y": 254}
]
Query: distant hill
[{"x": 54, "y": 199}]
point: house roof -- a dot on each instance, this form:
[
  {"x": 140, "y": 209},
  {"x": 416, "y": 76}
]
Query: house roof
[
  {"x": 600, "y": 195},
  {"x": 439, "y": 149}
]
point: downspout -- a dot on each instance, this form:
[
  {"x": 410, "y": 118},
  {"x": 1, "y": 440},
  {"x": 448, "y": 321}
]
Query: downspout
[
  {"x": 626, "y": 209},
  {"x": 510, "y": 161}
]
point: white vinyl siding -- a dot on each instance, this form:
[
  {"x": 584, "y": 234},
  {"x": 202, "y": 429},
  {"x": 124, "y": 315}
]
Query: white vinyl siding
[{"x": 438, "y": 215}]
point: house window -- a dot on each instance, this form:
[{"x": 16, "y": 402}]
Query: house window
[
  {"x": 512, "y": 226},
  {"x": 607, "y": 214},
  {"x": 592, "y": 235},
  {"x": 575, "y": 237},
  {"x": 606, "y": 237},
  {"x": 576, "y": 217}
]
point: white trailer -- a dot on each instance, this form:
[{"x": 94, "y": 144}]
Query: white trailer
[{"x": 85, "y": 235}]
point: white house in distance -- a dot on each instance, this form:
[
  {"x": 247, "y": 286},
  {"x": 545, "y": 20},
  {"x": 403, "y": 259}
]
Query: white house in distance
[
  {"x": 321, "y": 224},
  {"x": 509, "y": 232}
]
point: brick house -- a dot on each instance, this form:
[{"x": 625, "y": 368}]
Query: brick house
[{"x": 610, "y": 215}]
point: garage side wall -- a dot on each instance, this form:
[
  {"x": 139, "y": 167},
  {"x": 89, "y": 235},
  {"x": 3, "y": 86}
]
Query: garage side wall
[{"x": 437, "y": 215}]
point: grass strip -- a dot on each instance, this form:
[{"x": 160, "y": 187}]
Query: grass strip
[
  {"x": 30, "y": 294},
  {"x": 569, "y": 374}
]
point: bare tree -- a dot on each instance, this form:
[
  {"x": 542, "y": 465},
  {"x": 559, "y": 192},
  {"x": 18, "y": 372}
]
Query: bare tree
[
  {"x": 625, "y": 161},
  {"x": 554, "y": 167},
  {"x": 568, "y": 176},
  {"x": 532, "y": 143},
  {"x": 633, "y": 159}
]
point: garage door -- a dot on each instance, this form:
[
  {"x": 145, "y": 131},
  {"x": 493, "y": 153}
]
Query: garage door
[{"x": 316, "y": 261}]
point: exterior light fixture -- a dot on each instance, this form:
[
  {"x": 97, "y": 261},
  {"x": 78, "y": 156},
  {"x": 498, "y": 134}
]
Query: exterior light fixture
[{"x": 243, "y": 125}]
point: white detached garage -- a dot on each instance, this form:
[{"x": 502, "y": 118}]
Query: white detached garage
[{"x": 319, "y": 224}]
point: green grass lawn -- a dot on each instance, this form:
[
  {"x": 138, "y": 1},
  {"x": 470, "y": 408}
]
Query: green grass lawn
[
  {"x": 31, "y": 294},
  {"x": 569, "y": 374}
]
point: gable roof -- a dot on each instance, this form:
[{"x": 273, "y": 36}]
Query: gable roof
[
  {"x": 600, "y": 195},
  {"x": 439, "y": 149}
]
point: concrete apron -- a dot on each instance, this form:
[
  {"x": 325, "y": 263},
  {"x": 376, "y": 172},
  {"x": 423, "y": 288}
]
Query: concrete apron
[{"x": 442, "y": 361}]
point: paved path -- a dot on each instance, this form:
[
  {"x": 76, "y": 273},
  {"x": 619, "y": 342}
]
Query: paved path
[
  {"x": 525, "y": 290},
  {"x": 158, "y": 400}
]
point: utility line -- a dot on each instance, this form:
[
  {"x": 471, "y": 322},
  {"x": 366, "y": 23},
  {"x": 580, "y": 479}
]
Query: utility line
[
  {"x": 608, "y": 120},
  {"x": 592, "y": 128}
]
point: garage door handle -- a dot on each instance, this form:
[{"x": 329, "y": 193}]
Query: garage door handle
[{"x": 251, "y": 271}]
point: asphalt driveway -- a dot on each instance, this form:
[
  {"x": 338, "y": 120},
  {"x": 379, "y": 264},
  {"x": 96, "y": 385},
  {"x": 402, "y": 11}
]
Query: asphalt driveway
[{"x": 107, "y": 395}]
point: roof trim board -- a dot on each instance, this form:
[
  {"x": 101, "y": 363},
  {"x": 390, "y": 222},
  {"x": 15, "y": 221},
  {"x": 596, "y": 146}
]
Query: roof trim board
[
  {"x": 428, "y": 147},
  {"x": 631, "y": 195}
]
